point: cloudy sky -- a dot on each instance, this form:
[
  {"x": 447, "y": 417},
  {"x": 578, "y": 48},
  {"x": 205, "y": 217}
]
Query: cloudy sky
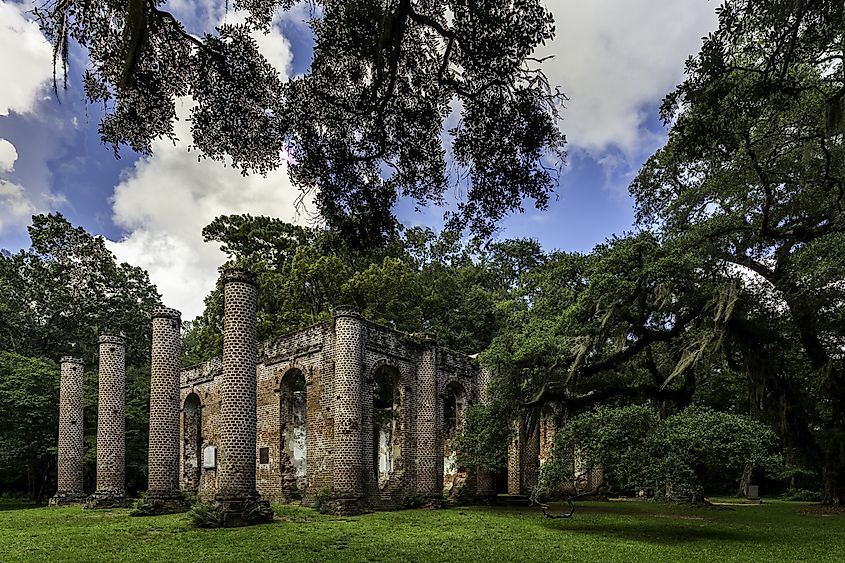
[{"x": 615, "y": 59}]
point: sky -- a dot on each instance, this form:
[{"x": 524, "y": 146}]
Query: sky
[{"x": 614, "y": 59}]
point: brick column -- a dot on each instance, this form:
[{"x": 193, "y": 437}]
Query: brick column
[
  {"x": 486, "y": 483},
  {"x": 349, "y": 478},
  {"x": 429, "y": 442},
  {"x": 111, "y": 425},
  {"x": 236, "y": 471},
  {"x": 164, "y": 443},
  {"x": 238, "y": 410},
  {"x": 71, "y": 445}
]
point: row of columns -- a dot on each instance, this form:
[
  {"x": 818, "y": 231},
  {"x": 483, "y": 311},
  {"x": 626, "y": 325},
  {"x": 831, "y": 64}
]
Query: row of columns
[
  {"x": 236, "y": 472},
  {"x": 238, "y": 412},
  {"x": 111, "y": 443}
]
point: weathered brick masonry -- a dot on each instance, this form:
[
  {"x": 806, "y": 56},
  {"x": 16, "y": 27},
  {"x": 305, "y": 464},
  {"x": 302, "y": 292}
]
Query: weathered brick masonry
[
  {"x": 347, "y": 408},
  {"x": 164, "y": 439},
  {"x": 71, "y": 445},
  {"x": 111, "y": 425}
]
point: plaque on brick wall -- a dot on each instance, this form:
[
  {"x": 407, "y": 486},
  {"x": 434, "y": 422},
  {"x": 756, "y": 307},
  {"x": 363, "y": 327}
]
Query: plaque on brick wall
[
  {"x": 209, "y": 457},
  {"x": 264, "y": 456}
]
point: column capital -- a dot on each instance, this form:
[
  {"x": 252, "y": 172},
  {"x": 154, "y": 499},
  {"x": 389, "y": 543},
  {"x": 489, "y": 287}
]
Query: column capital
[{"x": 241, "y": 275}]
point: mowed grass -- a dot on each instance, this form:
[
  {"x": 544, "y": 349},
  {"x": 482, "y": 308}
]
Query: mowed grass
[{"x": 609, "y": 531}]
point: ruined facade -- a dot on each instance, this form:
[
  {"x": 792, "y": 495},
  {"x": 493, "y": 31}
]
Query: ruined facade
[{"x": 346, "y": 408}]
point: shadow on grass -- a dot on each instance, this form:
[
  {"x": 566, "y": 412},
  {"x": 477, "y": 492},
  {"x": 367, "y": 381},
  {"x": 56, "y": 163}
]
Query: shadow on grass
[
  {"x": 18, "y": 505},
  {"x": 652, "y": 532}
]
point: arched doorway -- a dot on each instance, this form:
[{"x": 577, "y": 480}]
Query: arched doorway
[
  {"x": 191, "y": 441},
  {"x": 387, "y": 418},
  {"x": 454, "y": 409},
  {"x": 293, "y": 431}
]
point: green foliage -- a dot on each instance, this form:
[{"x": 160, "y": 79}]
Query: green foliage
[
  {"x": 751, "y": 177},
  {"x": 66, "y": 290},
  {"x": 206, "y": 515},
  {"x": 29, "y": 405},
  {"x": 691, "y": 449},
  {"x": 364, "y": 124},
  {"x": 145, "y": 507},
  {"x": 483, "y": 442},
  {"x": 607, "y": 437},
  {"x": 678, "y": 457},
  {"x": 417, "y": 282},
  {"x": 257, "y": 512},
  {"x": 324, "y": 501},
  {"x": 61, "y": 294},
  {"x": 801, "y": 495}
]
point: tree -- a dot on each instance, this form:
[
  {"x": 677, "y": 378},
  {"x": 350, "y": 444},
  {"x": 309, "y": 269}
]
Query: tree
[
  {"x": 66, "y": 290},
  {"x": 364, "y": 124},
  {"x": 29, "y": 403},
  {"x": 752, "y": 177},
  {"x": 684, "y": 456},
  {"x": 418, "y": 281},
  {"x": 634, "y": 319}
]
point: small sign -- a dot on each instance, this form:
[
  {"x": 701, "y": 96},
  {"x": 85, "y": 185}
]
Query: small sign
[
  {"x": 753, "y": 492},
  {"x": 209, "y": 457}
]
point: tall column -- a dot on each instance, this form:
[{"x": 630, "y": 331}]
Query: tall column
[
  {"x": 349, "y": 453},
  {"x": 163, "y": 472},
  {"x": 238, "y": 411},
  {"x": 111, "y": 425},
  {"x": 429, "y": 444},
  {"x": 486, "y": 483},
  {"x": 71, "y": 444}
]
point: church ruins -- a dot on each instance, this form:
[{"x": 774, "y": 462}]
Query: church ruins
[{"x": 345, "y": 411}]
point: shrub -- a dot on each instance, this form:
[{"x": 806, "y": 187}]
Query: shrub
[
  {"x": 323, "y": 501},
  {"x": 206, "y": 515},
  {"x": 145, "y": 507},
  {"x": 802, "y": 495},
  {"x": 257, "y": 512}
]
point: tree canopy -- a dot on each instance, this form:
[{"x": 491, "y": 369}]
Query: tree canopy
[{"x": 365, "y": 124}]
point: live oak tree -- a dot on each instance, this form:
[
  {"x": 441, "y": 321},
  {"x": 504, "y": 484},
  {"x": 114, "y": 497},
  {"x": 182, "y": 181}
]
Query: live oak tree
[
  {"x": 365, "y": 124},
  {"x": 752, "y": 177}
]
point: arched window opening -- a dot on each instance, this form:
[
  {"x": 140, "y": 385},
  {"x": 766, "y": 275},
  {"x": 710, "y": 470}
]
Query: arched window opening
[
  {"x": 294, "y": 431},
  {"x": 454, "y": 409},
  {"x": 387, "y": 415},
  {"x": 192, "y": 441}
]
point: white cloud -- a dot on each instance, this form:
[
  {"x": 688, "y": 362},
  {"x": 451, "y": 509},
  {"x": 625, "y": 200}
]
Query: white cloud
[
  {"x": 17, "y": 203},
  {"x": 8, "y": 155},
  {"x": 616, "y": 60},
  {"x": 25, "y": 60},
  {"x": 15, "y": 207},
  {"x": 166, "y": 200}
]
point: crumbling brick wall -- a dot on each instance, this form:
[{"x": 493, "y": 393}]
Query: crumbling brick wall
[{"x": 339, "y": 362}]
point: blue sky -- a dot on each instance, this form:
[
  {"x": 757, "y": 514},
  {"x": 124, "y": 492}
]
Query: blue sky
[{"x": 615, "y": 59}]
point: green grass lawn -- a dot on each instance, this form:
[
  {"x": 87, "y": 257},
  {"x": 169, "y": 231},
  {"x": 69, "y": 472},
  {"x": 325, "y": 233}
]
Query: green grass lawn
[{"x": 599, "y": 531}]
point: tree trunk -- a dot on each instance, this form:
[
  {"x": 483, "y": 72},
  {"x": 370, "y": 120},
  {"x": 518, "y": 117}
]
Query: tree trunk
[
  {"x": 745, "y": 480},
  {"x": 833, "y": 482}
]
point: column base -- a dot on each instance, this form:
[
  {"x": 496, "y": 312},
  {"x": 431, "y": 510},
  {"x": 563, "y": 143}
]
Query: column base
[
  {"x": 350, "y": 506},
  {"x": 65, "y": 498},
  {"x": 245, "y": 512},
  {"x": 107, "y": 499},
  {"x": 165, "y": 503}
]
